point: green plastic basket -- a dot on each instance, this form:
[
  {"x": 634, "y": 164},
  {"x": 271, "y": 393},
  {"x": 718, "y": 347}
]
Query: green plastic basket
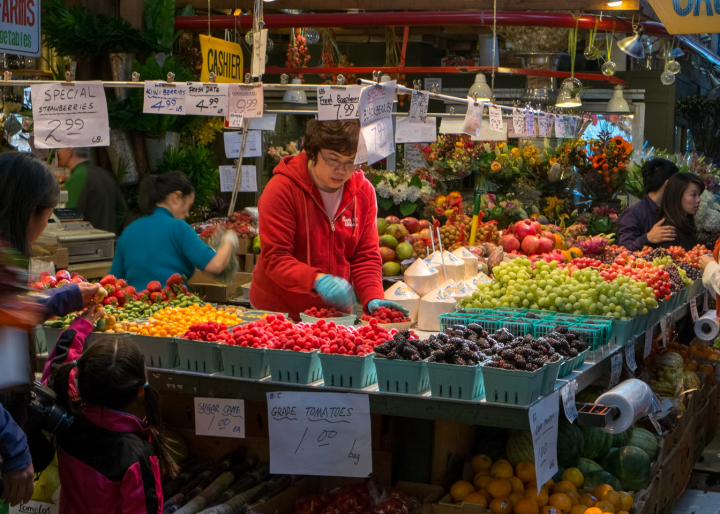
[
  {"x": 244, "y": 361},
  {"x": 456, "y": 318},
  {"x": 541, "y": 313},
  {"x": 473, "y": 312},
  {"x": 455, "y": 381},
  {"x": 508, "y": 311},
  {"x": 547, "y": 326},
  {"x": 512, "y": 387},
  {"x": 294, "y": 367},
  {"x": 348, "y": 370},
  {"x": 347, "y": 321},
  {"x": 622, "y": 331},
  {"x": 159, "y": 352},
  {"x": 199, "y": 356},
  {"x": 490, "y": 323},
  {"x": 519, "y": 326},
  {"x": 399, "y": 376},
  {"x": 571, "y": 365},
  {"x": 593, "y": 335},
  {"x": 551, "y": 375}
]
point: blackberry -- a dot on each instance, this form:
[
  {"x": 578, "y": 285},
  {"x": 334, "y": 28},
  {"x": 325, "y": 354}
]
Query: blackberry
[
  {"x": 507, "y": 354},
  {"x": 437, "y": 354},
  {"x": 573, "y": 352},
  {"x": 554, "y": 357},
  {"x": 478, "y": 329},
  {"x": 575, "y": 334},
  {"x": 435, "y": 344},
  {"x": 383, "y": 349},
  {"x": 394, "y": 356},
  {"x": 443, "y": 338},
  {"x": 459, "y": 361},
  {"x": 432, "y": 359},
  {"x": 528, "y": 339},
  {"x": 507, "y": 365},
  {"x": 561, "y": 329},
  {"x": 538, "y": 362},
  {"x": 473, "y": 347},
  {"x": 520, "y": 361},
  {"x": 469, "y": 334},
  {"x": 496, "y": 358}
]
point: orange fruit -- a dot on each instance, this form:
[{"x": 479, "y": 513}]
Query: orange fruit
[
  {"x": 500, "y": 488},
  {"x": 481, "y": 481},
  {"x": 549, "y": 510},
  {"x": 460, "y": 490},
  {"x": 533, "y": 485},
  {"x": 480, "y": 462},
  {"x": 606, "y": 506},
  {"x": 540, "y": 497},
  {"x": 574, "y": 476},
  {"x": 613, "y": 498},
  {"x": 525, "y": 471},
  {"x": 600, "y": 490},
  {"x": 476, "y": 497},
  {"x": 514, "y": 497},
  {"x": 626, "y": 501},
  {"x": 526, "y": 506},
  {"x": 578, "y": 509},
  {"x": 563, "y": 487},
  {"x": 501, "y": 506},
  {"x": 501, "y": 469},
  {"x": 588, "y": 500},
  {"x": 517, "y": 485},
  {"x": 574, "y": 498},
  {"x": 561, "y": 502},
  {"x": 593, "y": 510},
  {"x": 622, "y": 512}
]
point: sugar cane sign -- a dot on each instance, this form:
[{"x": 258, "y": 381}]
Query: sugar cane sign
[
  {"x": 326, "y": 434},
  {"x": 220, "y": 417},
  {"x": 70, "y": 115},
  {"x": 20, "y": 27},
  {"x": 544, "y": 421}
]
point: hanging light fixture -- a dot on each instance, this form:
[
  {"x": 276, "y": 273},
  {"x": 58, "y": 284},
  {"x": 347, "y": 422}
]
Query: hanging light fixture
[
  {"x": 632, "y": 45},
  {"x": 571, "y": 88},
  {"x": 617, "y": 104},
  {"x": 295, "y": 96},
  {"x": 480, "y": 88}
]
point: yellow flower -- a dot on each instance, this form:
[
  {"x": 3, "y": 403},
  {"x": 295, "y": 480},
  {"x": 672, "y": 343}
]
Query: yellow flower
[
  {"x": 552, "y": 160},
  {"x": 515, "y": 152},
  {"x": 501, "y": 145},
  {"x": 495, "y": 166},
  {"x": 440, "y": 200}
]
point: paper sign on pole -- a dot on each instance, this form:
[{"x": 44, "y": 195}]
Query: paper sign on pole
[
  {"x": 693, "y": 310},
  {"x": 689, "y": 16},
  {"x": 559, "y": 126},
  {"x": 326, "y": 434},
  {"x": 542, "y": 124},
  {"x": 473, "y": 118},
  {"x": 245, "y": 101},
  {"x": 496, "y": 122},
  {"x": 376, "y": 102},
  {"x": 222, "y": 58},
  {"x": 568, "y": 399},
  {"x": 413, "y": 157},
  {"x": 648, "y": 342},
  {"x": 164, "y": 98},
  {"x": 338, "y": 103},
  {"x": 418, "y": 106},
  {"x": 220, "y": 417},
  {"x": 630, "y": 354},
  {"x": 361, "y": 156},
  {"x": 544, "y": 422},
  {"x": 530, "y": 124},
  {"x": 407, "y": 132},
  {"x": 248, "y": 179},
  {"x": 568, "y": 128},
  {"x": 379, "y": 139},
  {"x": 573, "y": 126},
  {"x": 20, "y": 27},
  {"x": 258, "y": 52},
  {"x": 518, "y": 121},
  {"x": 615, "y": 369},
  {"x": 233, "y": 141},
  {"x": 206, "y": 99},
  {"x": 68, "y": 116}
]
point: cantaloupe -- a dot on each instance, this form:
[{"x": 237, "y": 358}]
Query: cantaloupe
[
  {"x": 422, "y": 277},
  {"x": 403, "y": 294},
  {"x": 471, "y": 261}
]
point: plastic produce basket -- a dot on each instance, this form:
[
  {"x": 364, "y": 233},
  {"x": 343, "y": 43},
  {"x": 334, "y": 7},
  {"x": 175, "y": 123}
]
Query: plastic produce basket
[
  {"x": 348, "y": 370},
  {"x": 571, "y": 365},
  {"x": 512, "y": 387},
  {"x": 347, "y": 321},
  {"x": 508, "y": 311},
  {"x": 593, "y": 335},
  {"x": 456, "y": 381},
  {"x": 244, "y": 362},
  {"x": 490, "y": 323},
  {"x": 622, "y": 331},
  {"x": 519, "y": 326},
  {"x": 456, "y": 318},
  {"x": 473, "y": 312},
  {"x": 552, "y": 370},
  {"x": 199, "y": 356},
  {"x": 399, "y": 376},
  {"x": 546, "y": 326},
  {"x": 540, "y": 313},
  {"x": 294, "y": 367}
]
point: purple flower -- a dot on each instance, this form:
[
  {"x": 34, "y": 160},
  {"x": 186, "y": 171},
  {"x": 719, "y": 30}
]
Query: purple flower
[{"x": 509, "y": 206}]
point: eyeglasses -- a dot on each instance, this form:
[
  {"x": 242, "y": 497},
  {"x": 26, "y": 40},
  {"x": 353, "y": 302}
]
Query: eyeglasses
[{"x": 339, "y": 165}]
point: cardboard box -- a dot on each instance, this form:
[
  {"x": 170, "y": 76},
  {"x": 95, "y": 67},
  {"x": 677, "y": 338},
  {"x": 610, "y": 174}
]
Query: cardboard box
[
  {"x": 206, "y": 287},
  {"x": 712, "y": 414},
  {"x": 91, "y": 270},
  {"x": 245, "y": 246},
  {"x": 248, "y": 262},
  {"x": 58, "y": 255},
  {"x": 676, "y": 469}
]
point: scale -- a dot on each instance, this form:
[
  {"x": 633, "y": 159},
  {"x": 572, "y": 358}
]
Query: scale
[{"x": 84, "y": 243}]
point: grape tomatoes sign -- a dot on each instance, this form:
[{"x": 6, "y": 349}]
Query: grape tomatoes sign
[
  {"x": 688, "y": 16},
  {"x": 20, "y": 27},
  {"x": 222, "y": 58}
]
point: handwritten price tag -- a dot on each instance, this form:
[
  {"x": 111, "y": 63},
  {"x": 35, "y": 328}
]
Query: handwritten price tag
[
  {"x": 338, "y": 103},
  {"x": 406, "y": 132},
  {"x": 615, "y": 369},
  {"x": 162, "y": 98},
  {"x": 568, "y": 399},
  {"x": 693, "y": 310},
  {"x": 258, "y": 52},
  {"x": 325, "y": 434},
  {"x": 248, "y": 179},
  {"x": 418, "y": 106},
  {"x": 233, "y": 142},
  {"x": 568, "y": 128},
  {"x": 530, "y": 124},
  {"x": 496, "y": 122},
  {"x": 542, "y": 124},
  {"x": 220, "y": 417},
  {"x": 473, "y": 118},
  {"x": 648, "y": 342},
  {"x": 544, "y": 420},
  {"x": 559, "y": 126},
  {"x": 663, "y": 329},
  {"x": 518, "y": 121},
  {"x": 245, "y": 101},
  {"x": 630, "y": 354},
  {"x": 376, "y": 102},
  {"x": 379, "y": 140},
  {"x": 206, "y": 99},
  {"x": 70, "y": 116}
]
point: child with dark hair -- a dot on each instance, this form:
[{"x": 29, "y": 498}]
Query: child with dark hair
[{"x": 113, "y": 455}]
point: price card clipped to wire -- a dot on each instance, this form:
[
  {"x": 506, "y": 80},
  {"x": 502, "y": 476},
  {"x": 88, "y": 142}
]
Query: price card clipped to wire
[
  {"x": 206, "y": 99},
  {"x": 630, "y": 354},
  {"x": 544, "y": 421},
  {"x": 376, "y": 104},
  {"x": 542, "y": 124},
  {"x": 326, "y": 434},
  {"x": 496, "y": 122},
  {"x": 70, "y": 115},
  {"x": 473, "y": 118},
  {"x": 258, "y": 52},
  {"x": 663, "y": 329},
  {"x": 573, "y": 126},
  {"x": 338, "y": 103},
  {"x": 648, "y": 342},
  {"x": 530, "y": 124},
  {"x": 418, "y": 106},
  {"x": 518, "y": 121},
  {"x": 245, "y": 101},
  {"x": 615, "y": 369},
  {"x": 568, "y": 127},
  {"x": 693, "y": 310},
  {"x": 559, "y": 126},
  {"x": 220, "y": 417},
  {"x": 568, "y": 399},
  {"x": 164, "y": 98}
]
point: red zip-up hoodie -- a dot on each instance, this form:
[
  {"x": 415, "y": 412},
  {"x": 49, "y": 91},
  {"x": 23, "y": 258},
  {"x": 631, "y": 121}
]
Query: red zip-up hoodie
[{"x": 298, "y": 240}]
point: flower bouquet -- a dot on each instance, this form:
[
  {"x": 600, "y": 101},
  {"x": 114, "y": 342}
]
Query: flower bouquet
[
  {"x": 549, "y": 173},
  {"x": 276, "y": 153},
  {"x": 604, "y": 171},
  {"x": 504, "y": 209},
  {"x": 503, "y": 165},
  {"x": 452, "y": 155},
  {"x": 600, "y": 220},
  {"x": 406, "y": 190}
]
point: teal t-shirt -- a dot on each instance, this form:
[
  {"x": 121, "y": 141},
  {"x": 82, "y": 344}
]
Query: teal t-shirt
[{"x": 154, "y": 247}]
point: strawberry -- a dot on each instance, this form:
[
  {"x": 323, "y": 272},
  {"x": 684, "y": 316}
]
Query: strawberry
[
  {"x": 43, "y": 276},
  {"x": 49, "y": 281},
  {"x": 130, "y": 290},
  {"x": 184, "y": 290},
  {"x": 108, "y": 279},
  {"x": 74, "y": 274},
  {"x": 111, "y": 289},
  {"x": 169, "y": 292},
  {"x": 144, "y": 295},
  {"x": 156, "y": 297},
  {"x": 62, "y": 275},
  {"x": 175, "y": 280},
  {"x": 38, "y": 286},
  {"x": 121, "y": 283},
  {"x": 111, "y": 300},
  {"x": 154, "y": 286},
  {"x": 77, "y": 279}
]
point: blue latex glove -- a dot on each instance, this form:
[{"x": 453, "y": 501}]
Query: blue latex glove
[
  {"x": 335, "y": 291},
  {"x": 374, "y": 305}
]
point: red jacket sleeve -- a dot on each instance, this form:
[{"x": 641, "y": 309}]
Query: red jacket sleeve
[
  {"x": 69, "y": 346},
  {"x": 277, "y": 223},
  {"x": 366, "y": 264}
]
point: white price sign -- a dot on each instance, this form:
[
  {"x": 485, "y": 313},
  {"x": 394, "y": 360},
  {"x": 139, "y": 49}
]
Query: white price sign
[
  {"x": 406, "y": 132},
  {"x": 245, "y": 101},
  {"x": 248, "y": 179},
  {"x": 615, "y": 369},
  {"x": 164, "y": 98},
  {"x": 568, "y": 399},
  {"x": 496, "y": 122},
  {"x": 338, "y": 103},
  {"x": 413, "y": 157},
  {"x": 573, "y": 126},
  {"x": 68, "y": 116},
  {"x": 693, "y": 310},
  {"x": 518, "y": 121},
  {"x": 473, "y": 118},
  {"x": 258, "y": 52},
  {"x": 233, "y": 142},
  {"x": 418, "y": 106},
  {"x": 543, "y": 124},
  {"x": 326, "y": 434},
  {"x": 376, "y": 102},
  {"x": 663, "y": 329},
  {"x": 220, "y": 417},
  {"x": 630, "y": 354},
  {"x": 568, "y": 127},
  {"x": 206, "y": 99},
  {"x": 544, "y": 421},
  {"x": 648, "y": 342},
  {"x": 378, "y": 138},
  {"x": 530, "y": 124},
  {"x": 559, "y": 126}
]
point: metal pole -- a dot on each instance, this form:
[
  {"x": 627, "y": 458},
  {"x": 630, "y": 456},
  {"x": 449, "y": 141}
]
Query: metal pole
[{"x": 238, "y": 169}]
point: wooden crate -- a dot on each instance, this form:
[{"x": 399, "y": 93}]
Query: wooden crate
[
  {"x": 245, "y": 246},
  {"x": 206, "y": 287}
]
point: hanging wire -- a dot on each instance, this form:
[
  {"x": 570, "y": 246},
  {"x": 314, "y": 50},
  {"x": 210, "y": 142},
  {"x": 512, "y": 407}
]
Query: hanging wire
[
  {"x": 209, "y": 18},
  {"x": 492, "y": 78},
  {"x": 610, "y": 41},
  {"x": 572, "y": 43}
]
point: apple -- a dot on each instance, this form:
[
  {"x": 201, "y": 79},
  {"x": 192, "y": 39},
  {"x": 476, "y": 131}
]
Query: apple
[
  {"x": 397, "y": 231},
  {"x": 382, "y": 226},
  {"x": 387, "y": 254},
  {"x": 546, "y": 245},
  {"x": 509, "y": 243},
  {"x": 410, "y": 238},
  {"x": 522, "y": 229},
  {"x": 392, "y": 220},
  {"x": 530, "y": 245},
  {"x": 424, "y": 224},
  {"x": 388, "y": 241},
  {"x": 411, "y": 224}
]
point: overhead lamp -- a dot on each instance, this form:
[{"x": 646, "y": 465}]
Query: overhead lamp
[
  {"x": 295, "y": 96},
  {"x": 632, "y": 45},
  {"x": 617, "y": 104},
  {"x": 616, "y": 3},
  {"x": 569, "y": 93},
  {"x": 480, "y": 88}
]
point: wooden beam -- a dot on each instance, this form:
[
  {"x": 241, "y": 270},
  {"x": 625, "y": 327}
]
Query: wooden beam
[
  {"x": 423, "y": 5},
  {"x": 133, "y": 11}
]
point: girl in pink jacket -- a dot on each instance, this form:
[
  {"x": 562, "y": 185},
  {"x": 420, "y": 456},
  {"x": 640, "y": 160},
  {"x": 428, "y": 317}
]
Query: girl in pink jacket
[{"x": 112, "y": 457}]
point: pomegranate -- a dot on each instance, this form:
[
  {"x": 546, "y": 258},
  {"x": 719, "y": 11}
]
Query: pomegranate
[
  {"x": 509, "y": 243},
  {"x": 546, "y": 245},
  {"x": 523, "y": 229},
  {"x": 531, "y": 245}
]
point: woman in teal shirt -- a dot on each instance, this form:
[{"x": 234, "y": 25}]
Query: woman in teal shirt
[{"x": 161, "y": 243}]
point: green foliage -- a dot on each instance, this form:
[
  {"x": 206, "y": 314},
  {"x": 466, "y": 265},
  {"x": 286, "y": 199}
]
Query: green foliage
[
  {"x": 385, "y": 203},
  {"x": 407, "y": 208},
  {"x": 160, "y": 22},
  {"x": 197, "y": 163}
]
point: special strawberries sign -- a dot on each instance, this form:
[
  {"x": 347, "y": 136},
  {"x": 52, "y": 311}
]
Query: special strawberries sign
[{"x": 20, "y": 27}]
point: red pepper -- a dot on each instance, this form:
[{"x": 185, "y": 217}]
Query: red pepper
[
  {"x": 154, "y": 286},
  {"x": 108, "y": 279}
]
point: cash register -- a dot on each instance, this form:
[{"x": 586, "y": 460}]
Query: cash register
[{"x": 68, "y": 229}]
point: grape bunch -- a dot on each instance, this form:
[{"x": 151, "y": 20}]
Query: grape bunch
[
  {"x": 691, "y": 272},
  {"x": 676, "y": 281},
  {"x": 683, "y": 274},
  {"x": 662, "y": 260}
]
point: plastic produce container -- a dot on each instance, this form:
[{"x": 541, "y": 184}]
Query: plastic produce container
[
  {"x": 400, "y": 376},
  {"x": 199, "y": 356},
  {"x": 294, "y": 367},
  {"x": 244, "y": 362},
  {"x": 348, "y": 370},
  {"x": 512, "y": 387},
  {"x": 456, "y": 381}
]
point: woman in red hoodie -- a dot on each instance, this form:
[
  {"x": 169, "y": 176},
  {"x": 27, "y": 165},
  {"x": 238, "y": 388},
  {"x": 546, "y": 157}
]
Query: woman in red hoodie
[{"x": 318, "y": 226}]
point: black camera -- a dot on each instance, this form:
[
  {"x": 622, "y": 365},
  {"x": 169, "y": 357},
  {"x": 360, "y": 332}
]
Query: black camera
[{"x": 44, "y": 411}]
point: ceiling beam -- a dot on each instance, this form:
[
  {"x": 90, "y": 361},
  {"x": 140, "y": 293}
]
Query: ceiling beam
[{"x": 422, "y": 5}]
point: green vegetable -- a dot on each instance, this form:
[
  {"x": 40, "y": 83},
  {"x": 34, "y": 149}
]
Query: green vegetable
[
  {"x": 644, "y": 440},
  {"x": 632, "y": 466},
  {"x": 587, "y": 466},
  {"x": 597, "y": 442}
]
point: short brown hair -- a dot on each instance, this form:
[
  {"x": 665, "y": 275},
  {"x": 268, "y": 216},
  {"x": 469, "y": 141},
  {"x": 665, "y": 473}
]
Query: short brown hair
[{"x": 339, "y": 136}]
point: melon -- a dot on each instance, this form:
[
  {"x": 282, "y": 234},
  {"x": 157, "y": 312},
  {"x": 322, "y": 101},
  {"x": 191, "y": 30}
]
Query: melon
[
  {"x": 597, "y": 442},
  {"x": 604, "y": 460},
  {"x": 470, "y": 259},
  {"x": 632, "y": 467},
  {"x": 589, "y": 394},
  {"x": 450, "y": 267},
  {"x": 570, "y": 444},
  {"x": 438, "y": 301},
  {"x": 557, "y": 477},
  {"x": 520, "y": 447},
  {"x": 596, "y": 478},
  {"x": 403, "y": 294},
  {"x": 422, "y": 277},
  {"x": 587, "y": 466},
  {"x": 621, "y": 439},
  {"x": 644, "y": 440}
]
